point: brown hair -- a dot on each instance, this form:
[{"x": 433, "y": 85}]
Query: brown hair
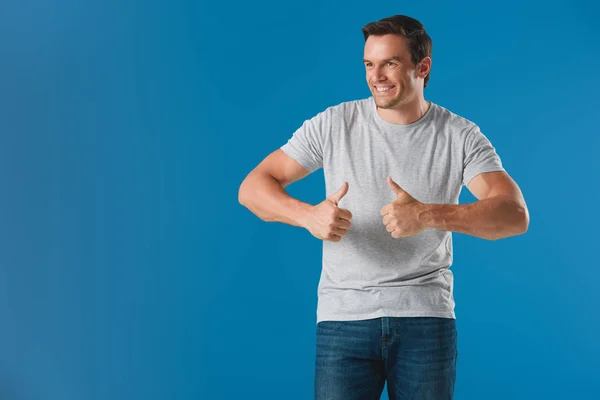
[{"x": 418, "y": 41}]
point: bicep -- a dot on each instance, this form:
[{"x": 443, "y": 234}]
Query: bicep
[
  {"x": 282, "y": 167},
  {"x": 490, "y": 184}
]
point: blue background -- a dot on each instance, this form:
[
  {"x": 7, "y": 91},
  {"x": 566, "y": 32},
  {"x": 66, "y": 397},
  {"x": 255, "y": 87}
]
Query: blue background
[{"x": 128, "y": 269}]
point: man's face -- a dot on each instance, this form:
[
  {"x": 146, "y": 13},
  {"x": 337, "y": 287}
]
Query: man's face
[{"x": 388, "y": 64}]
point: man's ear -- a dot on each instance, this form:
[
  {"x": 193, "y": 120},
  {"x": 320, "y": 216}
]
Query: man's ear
[{"x": 424, "y": 66}]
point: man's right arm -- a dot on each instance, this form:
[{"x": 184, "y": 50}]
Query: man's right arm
[{"x": 263, "y": 193}]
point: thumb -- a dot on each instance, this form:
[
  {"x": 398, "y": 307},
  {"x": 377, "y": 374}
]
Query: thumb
[
  {"x": 394, "y": 186},
  {"x": 337, "y": 196}
]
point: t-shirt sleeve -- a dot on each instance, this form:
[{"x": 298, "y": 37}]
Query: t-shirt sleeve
[
  {"x": 480, "y": 156},
  {"x": 306, "y": 144}
]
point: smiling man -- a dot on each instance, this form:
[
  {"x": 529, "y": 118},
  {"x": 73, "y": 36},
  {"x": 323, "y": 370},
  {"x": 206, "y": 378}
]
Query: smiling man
[{"x": 394, "y": 165}]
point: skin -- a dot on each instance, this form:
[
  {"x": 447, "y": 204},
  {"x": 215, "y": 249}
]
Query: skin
[
  {"x": 388, "y": 62},
  {"x": 500, "y": 210}
]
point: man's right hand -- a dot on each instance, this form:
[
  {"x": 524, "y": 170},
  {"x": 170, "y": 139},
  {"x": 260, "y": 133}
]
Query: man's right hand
[{"x": 326, "y": 220}]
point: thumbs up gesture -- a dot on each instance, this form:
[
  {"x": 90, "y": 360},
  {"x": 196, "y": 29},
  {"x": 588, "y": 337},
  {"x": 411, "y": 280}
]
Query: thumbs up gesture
[
  {"x": 326, "y": 220},
  {"x": 401, "y": 216}
]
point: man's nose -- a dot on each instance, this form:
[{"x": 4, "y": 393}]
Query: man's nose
[{"x": 378, "y": 76}]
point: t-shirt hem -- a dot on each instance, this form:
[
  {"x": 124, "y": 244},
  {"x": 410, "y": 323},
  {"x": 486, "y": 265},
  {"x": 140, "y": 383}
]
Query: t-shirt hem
[
  {"x": 468, "y": 176},
  {"x": 308, "y": 165},
  {"x": 381, "y": 313}
]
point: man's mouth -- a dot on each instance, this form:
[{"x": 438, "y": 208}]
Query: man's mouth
[{"x": 384, "y": 88}]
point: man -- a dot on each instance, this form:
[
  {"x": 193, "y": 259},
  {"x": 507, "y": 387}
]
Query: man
[{"x": 394, "y": 164}]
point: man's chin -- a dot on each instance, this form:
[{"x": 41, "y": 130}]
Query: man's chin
[{"x": 385, "y": 104}]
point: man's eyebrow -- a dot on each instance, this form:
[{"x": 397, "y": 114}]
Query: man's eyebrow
[{"x": 395, "y": 58}]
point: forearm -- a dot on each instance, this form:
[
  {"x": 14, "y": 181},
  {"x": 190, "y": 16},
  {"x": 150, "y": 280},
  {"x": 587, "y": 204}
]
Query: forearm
[
  {"x": 264, "y": 196},
  {"x": 493, "y": 218}
]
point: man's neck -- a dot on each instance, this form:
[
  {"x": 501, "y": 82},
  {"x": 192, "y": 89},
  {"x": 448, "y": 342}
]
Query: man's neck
[{"x": 406, "y": 113}]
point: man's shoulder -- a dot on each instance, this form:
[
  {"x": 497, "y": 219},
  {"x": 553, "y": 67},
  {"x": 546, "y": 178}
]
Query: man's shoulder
[
  {"x": 453, "y": 119},
  {"x": 346, "y": 110},
  {"x": 348, "y": 106}
]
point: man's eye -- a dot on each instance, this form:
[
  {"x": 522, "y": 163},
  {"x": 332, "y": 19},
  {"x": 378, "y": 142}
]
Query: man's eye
[{"x": 389, "y": 63}]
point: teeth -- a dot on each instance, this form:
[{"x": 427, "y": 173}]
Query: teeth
[{"x": 383, "y": 89}]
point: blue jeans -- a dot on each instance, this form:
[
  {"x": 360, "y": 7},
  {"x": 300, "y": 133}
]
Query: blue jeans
[{"x": 416, "y": 355}]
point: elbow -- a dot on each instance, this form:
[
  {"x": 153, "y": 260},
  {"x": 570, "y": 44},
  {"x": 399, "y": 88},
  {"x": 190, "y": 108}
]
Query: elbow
[
  {"x": 523, "y": 220},
  {"x": 518, "y": 226},
  {"x": 242, "y": 194},
  {"x": 519, "y": 220}
]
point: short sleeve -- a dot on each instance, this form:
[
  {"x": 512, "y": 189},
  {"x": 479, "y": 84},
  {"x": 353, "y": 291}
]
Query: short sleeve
[
  {"x": 306, "y": 144},
  {"x": 479, "y": 156}
]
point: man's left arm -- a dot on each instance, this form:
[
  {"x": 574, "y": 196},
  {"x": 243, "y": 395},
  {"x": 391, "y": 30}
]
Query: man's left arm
[{"x": 500, "y": 211}]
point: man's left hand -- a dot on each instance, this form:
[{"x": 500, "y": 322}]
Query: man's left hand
[{"x": 401, "y": 216}]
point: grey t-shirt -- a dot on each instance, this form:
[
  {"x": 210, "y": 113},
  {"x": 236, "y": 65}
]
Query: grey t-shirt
[{"x": 370, "y": 274}]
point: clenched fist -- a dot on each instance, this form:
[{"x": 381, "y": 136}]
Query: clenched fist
[
  {"x": 326, "y": 220},
  {"x": 401, "y": 216}
]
